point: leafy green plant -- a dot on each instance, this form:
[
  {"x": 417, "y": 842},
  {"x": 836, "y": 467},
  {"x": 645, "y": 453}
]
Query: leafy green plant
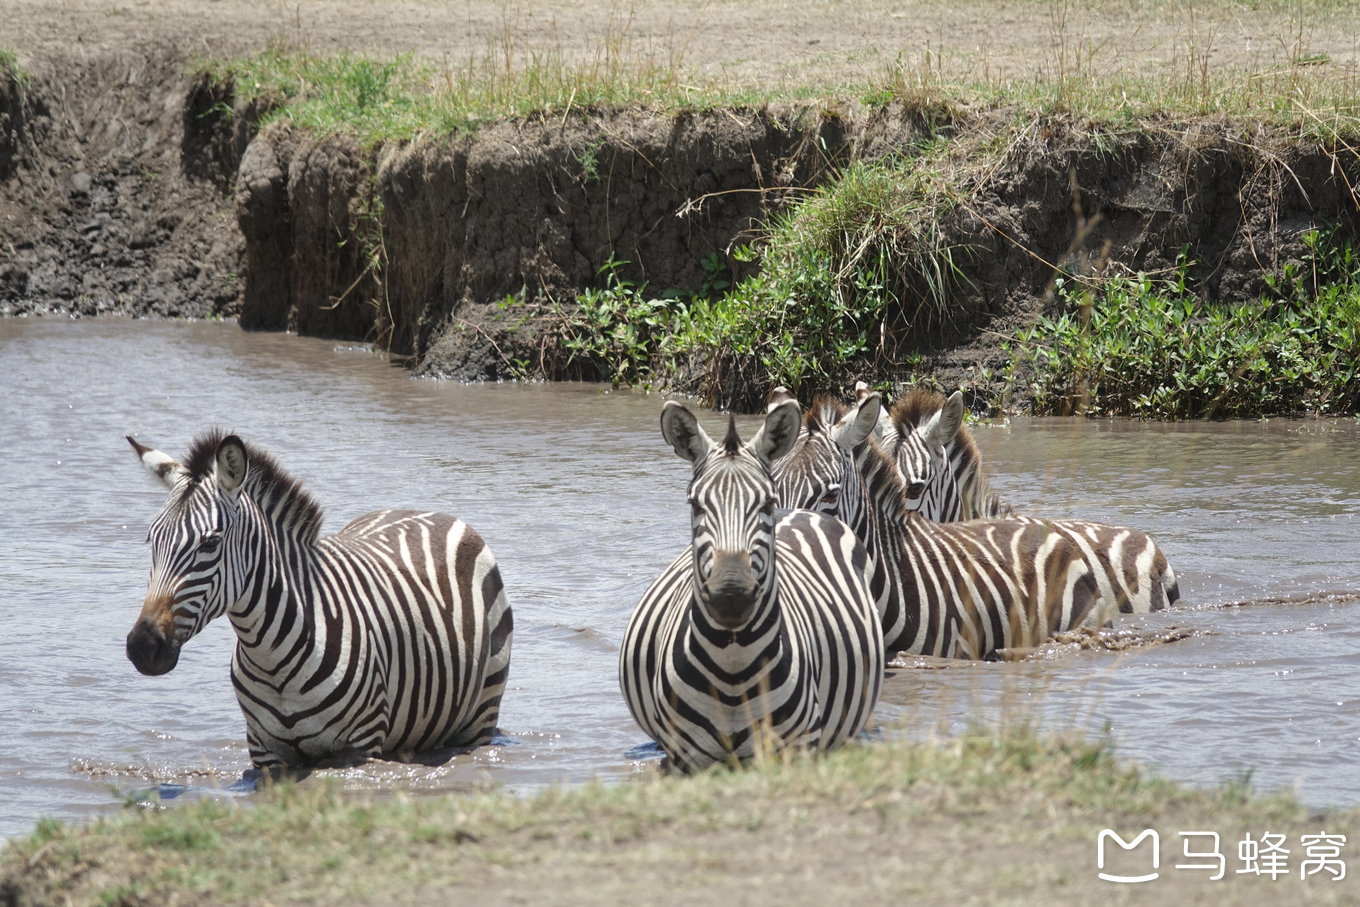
[
  {"x": 618, "y": 329},
  {"x": 589, "y": 159},
  {"x": 1155, "y": 349},
  {"x": 859, "y": 259}
]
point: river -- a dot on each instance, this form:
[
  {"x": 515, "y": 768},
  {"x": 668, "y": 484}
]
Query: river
[{"x": 583, "y": 503}]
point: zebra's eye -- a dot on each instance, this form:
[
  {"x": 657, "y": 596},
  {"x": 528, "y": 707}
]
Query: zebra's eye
[
  {"x": 916, "y": 489},
  {"x": 831, "y": 495},
  {"x": 209, "y": 543}
]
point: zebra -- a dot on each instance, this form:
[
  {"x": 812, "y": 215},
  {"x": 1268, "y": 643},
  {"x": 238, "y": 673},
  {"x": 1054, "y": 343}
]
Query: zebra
[
  {"x": 963, "y": 589},
  {"x": 942, "y": 467},
  {"x": 762, "y": 635},
  {"x": 925, "y": 432},
  {"x": 390, "y": 638}
]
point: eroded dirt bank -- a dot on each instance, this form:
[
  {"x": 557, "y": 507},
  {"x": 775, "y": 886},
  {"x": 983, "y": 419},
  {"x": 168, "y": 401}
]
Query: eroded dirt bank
[{"x": 129, "y": 185}]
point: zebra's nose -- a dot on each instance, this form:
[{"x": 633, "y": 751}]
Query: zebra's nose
[
  {"x": 149, "y": 651},
  {"x": 731, "y": 589}
]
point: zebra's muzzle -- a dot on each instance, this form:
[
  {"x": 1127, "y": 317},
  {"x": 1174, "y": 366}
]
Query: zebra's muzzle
[
  {"x": 149, "y": 650},
  {"x": 730, "y": 590}
]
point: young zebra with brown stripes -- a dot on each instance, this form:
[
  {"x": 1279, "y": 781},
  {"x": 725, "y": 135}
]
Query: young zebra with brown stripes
[
  {"x": 942, "y": 468},
  {"x": 762, "y": 634},
  {"x": 389, "y": 639},
  {"x": 956, "y": 590},
  {"x": 938, "y": 457}
]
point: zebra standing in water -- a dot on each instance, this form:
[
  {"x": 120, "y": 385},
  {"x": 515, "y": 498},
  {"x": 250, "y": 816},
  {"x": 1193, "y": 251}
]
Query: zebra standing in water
[
  {"x": 763, "y": 633},
  {"x": 942, "y": 467},
  {"x": 946, "y": 589},
  {"x": 938, "y": 457},
  {"x": 388, "y": 639}
]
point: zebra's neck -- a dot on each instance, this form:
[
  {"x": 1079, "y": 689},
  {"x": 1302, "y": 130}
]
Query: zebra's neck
[
  {"x": 888, "y": 526},
  {"x": 734, "y": 650},
  {"x": 969, "y": 489},
  {"x": 271, "y": 611}
]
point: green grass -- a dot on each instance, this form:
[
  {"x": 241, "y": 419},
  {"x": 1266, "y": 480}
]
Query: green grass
[
  {"x": 860, "y": 258},
  {"x": 956, "y": 799},
  {"x": 393, "y": 99},
  {"x": 1154, "y": 348},
  {"x": 860, "y": 255},
  {"x": 10, "y": 68}
]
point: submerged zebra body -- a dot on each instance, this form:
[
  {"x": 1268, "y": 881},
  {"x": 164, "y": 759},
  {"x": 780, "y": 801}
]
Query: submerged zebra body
[
  {"x": 387, "y": 639},
  {"x": 942, "y": 467},
  {"x": 763, "y": 633},
  {"x": 956, "y": 590}
]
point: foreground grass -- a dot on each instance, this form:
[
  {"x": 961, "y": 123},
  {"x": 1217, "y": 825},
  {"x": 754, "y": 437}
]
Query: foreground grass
[{"x": 1004, "y": 818}]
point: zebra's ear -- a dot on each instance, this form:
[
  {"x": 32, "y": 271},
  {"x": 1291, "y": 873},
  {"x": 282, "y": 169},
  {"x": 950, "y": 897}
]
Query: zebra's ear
[
  {"x": 857, "y": 426},
  {"x": 231, "y": 463},
  {"x": 778, "y": 396},
  {"x": 779, "y": 433},
  {"x": 683, "y": 432},
  {"x": 162, "y": 466},
  {"x": 945, "y": 424}
]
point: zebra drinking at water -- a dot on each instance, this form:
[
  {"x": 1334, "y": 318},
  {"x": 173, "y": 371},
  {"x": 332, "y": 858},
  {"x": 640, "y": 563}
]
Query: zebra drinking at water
[
  {"x": 946, "y": 589},
  {"x": 389, "y": 639},
  {"x": 763, "y": 633},
  {"x": 941, "y": 465}
]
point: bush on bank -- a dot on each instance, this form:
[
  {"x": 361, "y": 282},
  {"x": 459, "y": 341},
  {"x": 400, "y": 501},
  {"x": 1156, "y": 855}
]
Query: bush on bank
[{"x": 1139, "y": 346}]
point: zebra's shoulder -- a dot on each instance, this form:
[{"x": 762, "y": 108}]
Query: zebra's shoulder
[{"x": 799, "y": 527}]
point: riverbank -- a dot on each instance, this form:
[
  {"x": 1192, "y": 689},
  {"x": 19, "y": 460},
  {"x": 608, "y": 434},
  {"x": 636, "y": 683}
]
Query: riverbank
[
  {"x": 994, "y": 817},
  {"x": 852, "y": 211}
]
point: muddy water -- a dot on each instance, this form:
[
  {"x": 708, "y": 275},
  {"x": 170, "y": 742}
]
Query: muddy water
[{"x": 583, "y": 504}]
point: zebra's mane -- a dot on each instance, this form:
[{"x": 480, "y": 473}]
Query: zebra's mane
[
  {"x": 731, "y": 441},
  {"x": 916, "y": 406},
  {"x": 824, "y": 413},
  {"x": 279, "y": 495}
]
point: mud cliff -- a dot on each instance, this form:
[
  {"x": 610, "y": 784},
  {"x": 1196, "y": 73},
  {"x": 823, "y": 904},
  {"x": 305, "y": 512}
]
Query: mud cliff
[{"x": 127, "y": 185}]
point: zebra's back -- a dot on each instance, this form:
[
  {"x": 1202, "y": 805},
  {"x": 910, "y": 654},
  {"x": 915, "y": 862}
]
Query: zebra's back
[
  {"x": 1133, "y": 573},
  {"x": 818, "y": 694},
  {"x": 971, "y": 588}
]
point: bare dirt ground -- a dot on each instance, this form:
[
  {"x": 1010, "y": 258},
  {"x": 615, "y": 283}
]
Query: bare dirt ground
[{"x": 746, "y": 40}]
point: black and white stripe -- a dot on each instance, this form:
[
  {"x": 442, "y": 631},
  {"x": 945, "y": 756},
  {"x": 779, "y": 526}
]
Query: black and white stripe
[
  {"x": 763, "y": 633},
  {"x": 963, "y": 589},
  {"x": 939, "y": 460},
  {"x": 388, "y": 639},
  {"x": 942, "y": 467}
]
